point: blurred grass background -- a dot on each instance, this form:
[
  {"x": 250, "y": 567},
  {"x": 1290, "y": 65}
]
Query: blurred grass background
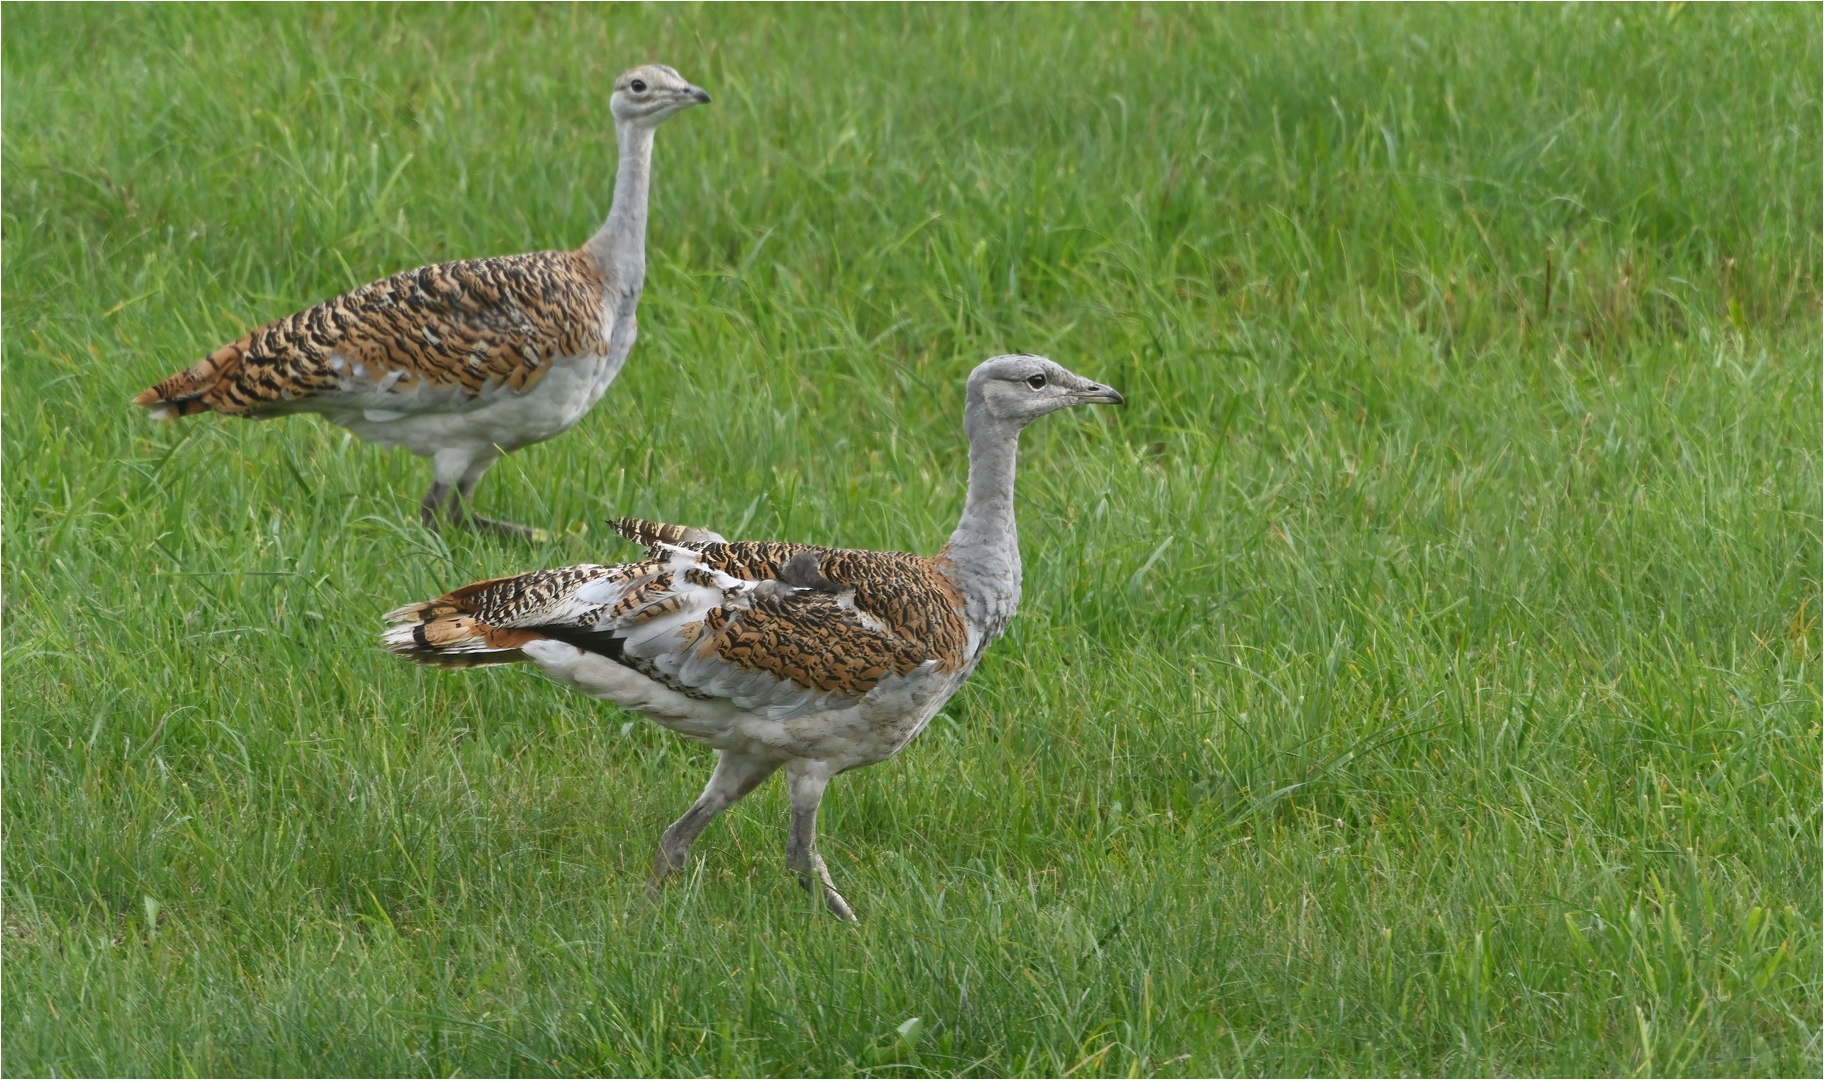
[{"x": 1420, "y": 675}]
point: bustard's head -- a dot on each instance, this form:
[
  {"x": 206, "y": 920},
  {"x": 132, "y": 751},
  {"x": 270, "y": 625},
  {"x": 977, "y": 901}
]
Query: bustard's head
[
  {"x": 651, "y": 93},
  {"x": 1019, "y": 389}
]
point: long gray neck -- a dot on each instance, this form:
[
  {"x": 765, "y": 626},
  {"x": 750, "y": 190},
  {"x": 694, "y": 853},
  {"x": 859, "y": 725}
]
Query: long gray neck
[
  {"x": 619, "y": 246},
  {"x": 985, "y": 547}
]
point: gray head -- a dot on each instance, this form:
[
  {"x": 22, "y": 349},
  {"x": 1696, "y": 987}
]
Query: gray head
[
  {"x": 650, "y": 94},
  {"x": 1019, "y": 389}
]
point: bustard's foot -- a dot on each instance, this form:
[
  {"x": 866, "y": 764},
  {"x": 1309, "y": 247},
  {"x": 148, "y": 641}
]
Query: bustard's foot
[
  {"x": 441, "y": 503},
  {"x": 506, "y": 530},
  {"x": 486, "y": 526},
  {"x": 831, "y": 898},
  {"x": 664, "y": 864}
]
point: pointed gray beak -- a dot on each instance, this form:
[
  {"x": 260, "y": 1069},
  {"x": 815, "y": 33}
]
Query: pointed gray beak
[
  {"x": 698, "y": 95},
  {"x": 1097, "y": 394}
]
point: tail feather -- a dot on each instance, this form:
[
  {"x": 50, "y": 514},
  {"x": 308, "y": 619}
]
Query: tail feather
[
  {"x": 649, "y": 534},
  {"x": 452, "y": 603},
  {"x": 436, "y": 633},
  {"x": 185, "y": 392},
  {"x": 423, "y": 611}
]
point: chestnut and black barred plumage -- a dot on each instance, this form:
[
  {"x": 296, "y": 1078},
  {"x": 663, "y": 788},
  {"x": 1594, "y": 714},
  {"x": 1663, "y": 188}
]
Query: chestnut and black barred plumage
[
  {"x": 812, "y": 659},
  {"x": 454, "y": 333},
  {"x": 463, "y": 361}
]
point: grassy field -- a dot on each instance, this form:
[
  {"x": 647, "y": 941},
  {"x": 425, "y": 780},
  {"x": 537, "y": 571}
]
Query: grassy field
[{"x": 1420, "y": 675}]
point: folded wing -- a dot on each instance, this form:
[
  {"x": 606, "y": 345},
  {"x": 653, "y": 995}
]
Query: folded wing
[
  {"x": 778, "y": 629},
  {"x": 438, "y": 337}
]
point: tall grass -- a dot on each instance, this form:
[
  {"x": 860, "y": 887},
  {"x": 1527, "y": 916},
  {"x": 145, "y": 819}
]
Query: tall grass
[{"x": 1420, "y": 675}]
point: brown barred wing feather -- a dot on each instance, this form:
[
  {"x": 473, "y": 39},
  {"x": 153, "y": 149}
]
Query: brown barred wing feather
[
  {"x": 434, "y": 337},
  {"x": 803, "y": 642},
  {"x": 907, "y": 596}
]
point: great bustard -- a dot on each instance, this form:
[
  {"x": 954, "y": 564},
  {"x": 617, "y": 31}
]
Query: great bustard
[
  {"x": 460, "y": 362},
  {"x": 816, "y": 659}
]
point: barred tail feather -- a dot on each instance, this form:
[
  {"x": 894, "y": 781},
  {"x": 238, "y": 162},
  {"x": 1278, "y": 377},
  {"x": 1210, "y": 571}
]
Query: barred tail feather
[
  {"x": 452, "y": 640},
  {"x": 650, "y": 534},
  {"x": 423, "y": 611}
]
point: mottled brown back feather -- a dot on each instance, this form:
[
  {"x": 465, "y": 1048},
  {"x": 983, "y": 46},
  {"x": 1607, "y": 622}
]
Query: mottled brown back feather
[
  {"x": 457, "y": 324},
  {"x": 814, "y": 642},
  {"x": 908, "y": 593}
]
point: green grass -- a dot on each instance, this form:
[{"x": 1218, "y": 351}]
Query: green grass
[{"x": 1420, "y": 675}]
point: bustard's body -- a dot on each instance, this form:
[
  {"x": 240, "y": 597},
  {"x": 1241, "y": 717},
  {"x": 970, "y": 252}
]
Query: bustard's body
[
  {"x": 460, "y": 362},
  {"x": 816, "y": 660}
]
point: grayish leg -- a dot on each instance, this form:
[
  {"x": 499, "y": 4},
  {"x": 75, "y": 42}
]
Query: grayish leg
[
  {"x": 433, "y": 505},
  {"x": 807, "y": 780},
  {"x": 735, "y": 776},
  {"x": 447, "y": 469}
]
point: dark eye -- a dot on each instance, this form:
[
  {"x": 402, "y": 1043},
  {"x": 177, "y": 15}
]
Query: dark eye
[
  {"x": 638, "y": 86},
  {"x": 1037, "y": 382}
]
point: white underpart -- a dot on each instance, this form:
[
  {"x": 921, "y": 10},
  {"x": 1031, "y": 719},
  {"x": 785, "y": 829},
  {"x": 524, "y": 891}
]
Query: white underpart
[
  {"x": 429, "y": 419},
  {"x": 598, "y": 676},
  {"x": 843, "y": 735}
]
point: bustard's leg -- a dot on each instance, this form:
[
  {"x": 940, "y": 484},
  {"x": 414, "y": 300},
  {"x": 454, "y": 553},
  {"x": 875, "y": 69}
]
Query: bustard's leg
[
  {"x": 807, "y": 780},
  {"x": 432, "y": 507},
  {"x": 447, "y": 469},
  {"x": 736, "y": 774}
]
